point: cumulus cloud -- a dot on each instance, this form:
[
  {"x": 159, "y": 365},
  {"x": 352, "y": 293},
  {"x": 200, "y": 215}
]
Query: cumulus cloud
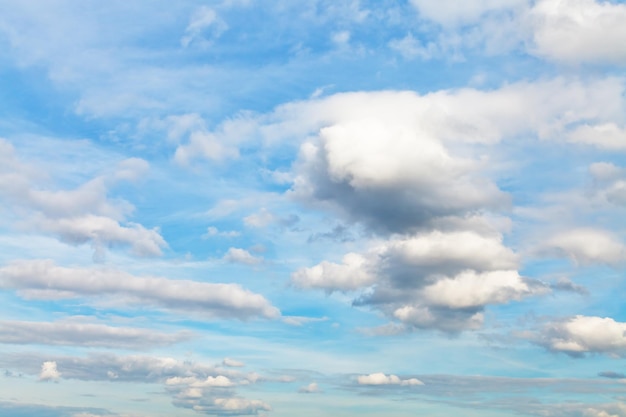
[
  {"x": 586, "y": 246},
  {"x": 451, "y": 13},
  {"x": 351, "y": 274},
  {"x": 579, "y": 335},
  {"x": 440, "y": 280},
  {"x": 241, "y": 256},
  {"x": 42, "y": 279},
  {"x": 75, "y": 333},
  {"x": 382, "y": 379},
  {"x": 49, "y": 371},
  {"x": 579, "y": 31}
]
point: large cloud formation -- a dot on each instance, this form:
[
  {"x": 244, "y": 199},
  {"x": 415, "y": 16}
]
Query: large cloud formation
[{"x": 391, "y": 162}]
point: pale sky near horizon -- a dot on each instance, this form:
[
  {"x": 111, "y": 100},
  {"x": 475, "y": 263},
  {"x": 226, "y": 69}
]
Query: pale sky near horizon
[{"x": 312, "y": 208}]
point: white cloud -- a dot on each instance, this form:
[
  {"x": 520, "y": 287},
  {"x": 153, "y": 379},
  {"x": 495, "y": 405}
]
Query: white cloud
[
  {"x": 80, "y": 215},
  {"x": 607, "y": 136},
  {"x": 585, "y": 334},
  {"x": 49, "y": 371},
  {"x": 301, "y": 320},
  {"x": 76, "y": 333},
  {"x": 351, "y": 274},
  {"x": 578, "y": 31},
  {"x": 312, "y": 388},
  {"x": 242, "y": 256},
  {"x": 469, "y": 289},
  {"x": 214, "y": 231},
  {"x": 232, "y": 363},
  {"x": 441, "y": 280},
  {"x": 382, "y": 379},
  {"x": 45, "y": 280},
  {"x": 203, "y": 20},
  {"x": 410, "y": 48},
  {"x": 586, "y": 246}
]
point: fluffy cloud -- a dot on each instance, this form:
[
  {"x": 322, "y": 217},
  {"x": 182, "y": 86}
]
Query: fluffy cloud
[
  {"x": 49, "y": 371},
  {"x": 585, "y": 334},
  {"x": 577, "y": 31},
  {"x": 80, "y": 215},
  {"x": 586, "y": 246},
  {"x": 440, "y": 280},
  {"x": 241, "y": 256},
  {"x": 351, "y": 274},
  {"x": 73, "y": 333},
  {"x": 45, "y": 280},
  {"x": 382, "y": 379}
]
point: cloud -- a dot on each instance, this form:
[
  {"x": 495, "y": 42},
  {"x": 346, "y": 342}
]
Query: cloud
[
  {"x": 42, "y": 279},
  {"x": 579, "y": 31},
  {"x": 312, "y": 388},
  {"x": 586, "y": 246},
  {"x": 203, "y": 388},
  {"x": 232, "y": 363},
  {"x": 80, "y": 215},
  {"x": 382, "y": 379},
  {"x": 612, "y": 375},
  {"x": 203, "y": 20},
  {"x": 452, "y": 13},
  {"x": 75, "y": 333},
  {"x": 214, "y": 231},
  {"x": 49, "y": 371},
  {"x": 609, "y": 182},
  {"x": 410, "y": 48},
  {"x": 440, "y": 280},
  {"x": 579, "y": 335},
  {"x": 241, "y": 256},
  {"x": 301, "y": 320},
  {"x": 351, "y": 274}
]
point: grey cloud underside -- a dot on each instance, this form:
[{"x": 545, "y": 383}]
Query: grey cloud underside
[
  {"x": 207, "y": 389},
  {"x": 41, "y": 279},
  {"x": 85, "y": 334}
]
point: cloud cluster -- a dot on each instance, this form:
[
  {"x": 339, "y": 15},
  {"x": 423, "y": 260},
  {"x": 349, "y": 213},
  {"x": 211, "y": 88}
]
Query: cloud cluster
[
  {"x": 387, "y": 161},
  {"x": 81, "y": 215},
  {"x": 579, "y": 335},
  {"x": 43, "y": 279},
  {"x": 586, "y": 246},
  {"x": 204, "y": 388}
]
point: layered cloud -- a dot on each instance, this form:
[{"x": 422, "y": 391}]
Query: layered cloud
[
  {"x": 77, "y": 333},
  {"x": 204, "y": 388},
  {"x": 84, "y": 214},
  {"x": 382, "y": 379},
  {"x": 42, "y": 279}
]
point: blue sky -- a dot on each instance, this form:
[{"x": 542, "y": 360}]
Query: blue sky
[{"x": 346, "y": 208}]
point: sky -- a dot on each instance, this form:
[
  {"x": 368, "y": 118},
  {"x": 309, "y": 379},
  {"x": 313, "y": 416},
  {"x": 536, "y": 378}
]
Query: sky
[{"x": 310, "y": 208}]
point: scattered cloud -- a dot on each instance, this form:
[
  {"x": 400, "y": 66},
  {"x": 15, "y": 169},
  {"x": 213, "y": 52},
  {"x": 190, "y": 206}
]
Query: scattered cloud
[
  {"x": 242, "y": 256},
  {"x": 382, "y": 379},
  {"x": 579, "y": 335},
  {"x": 42, "y": 279},
  {"x": 312, "y": 388}
]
